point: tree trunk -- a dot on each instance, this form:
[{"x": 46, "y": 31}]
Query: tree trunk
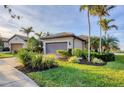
[
  {"x": 88, "y": 15},
  {"x": 100, "y": 41}
]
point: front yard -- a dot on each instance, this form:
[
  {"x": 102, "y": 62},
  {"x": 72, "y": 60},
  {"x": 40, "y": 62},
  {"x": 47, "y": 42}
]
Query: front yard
[
  {"x": 6, "y": 55},
  {"x": 76, "y": 75}
]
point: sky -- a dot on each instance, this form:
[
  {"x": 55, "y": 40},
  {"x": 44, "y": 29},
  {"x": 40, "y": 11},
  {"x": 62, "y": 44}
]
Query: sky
[{"x": 55, "y": 19}]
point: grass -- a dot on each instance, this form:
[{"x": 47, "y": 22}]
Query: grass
[
  {"x": 6, "y": 55},
  {"x": 77, "y": 75}
]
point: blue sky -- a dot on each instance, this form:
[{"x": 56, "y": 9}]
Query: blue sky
[{"x": 57, "y": 19}]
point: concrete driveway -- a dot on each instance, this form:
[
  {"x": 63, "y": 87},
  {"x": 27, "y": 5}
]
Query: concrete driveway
[{"x": 11, "y": 77}]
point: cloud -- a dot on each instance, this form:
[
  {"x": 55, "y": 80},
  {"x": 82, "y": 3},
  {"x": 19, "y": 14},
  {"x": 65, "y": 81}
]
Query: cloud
[{"x": 5, "y": 32}]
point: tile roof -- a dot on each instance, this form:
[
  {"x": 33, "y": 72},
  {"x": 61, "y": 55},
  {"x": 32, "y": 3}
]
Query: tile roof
[{"x": 60, "y": 35}]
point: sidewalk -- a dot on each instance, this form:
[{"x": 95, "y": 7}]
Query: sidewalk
[{"x": 11, "y": 77}]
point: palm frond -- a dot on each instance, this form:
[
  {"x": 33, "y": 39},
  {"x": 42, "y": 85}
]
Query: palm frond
[
  {"x": 110, "y": 7},
  {"x": 82, "y": 7},
  {"x": 110, "y": 20},
  {"x": 114, "y": 26}
]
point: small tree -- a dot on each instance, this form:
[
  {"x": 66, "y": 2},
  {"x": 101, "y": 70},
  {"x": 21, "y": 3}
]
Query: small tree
[
  {"x": 40, "y": 35},
  {"x": 95, "y": 43},
  {"x": 33, "y": 44},
  {"x": 109, "y": 43}
]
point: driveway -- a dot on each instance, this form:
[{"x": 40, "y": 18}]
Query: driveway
[{"x": 11, "y": 77}]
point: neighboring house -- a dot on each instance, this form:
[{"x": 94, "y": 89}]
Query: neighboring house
[
  {"x": 5, "y": 42},
  {"x": 62, "y": 41},
  {"x": 17, "y": 42},
  {"x": 85, "y": 37}
]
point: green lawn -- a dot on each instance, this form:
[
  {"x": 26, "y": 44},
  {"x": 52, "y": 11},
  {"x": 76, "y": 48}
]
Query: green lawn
[
  {"x": 76, "y": 75},
  {"x": 6, "y": 55}
]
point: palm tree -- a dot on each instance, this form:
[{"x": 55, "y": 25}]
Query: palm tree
[
  {"x": 27, "y": 31},
  {"x": 101, "y": 11},
  {"x": 89, "y": 10},
  {"x": 105, "y": 25},
  {"x": 39, "y": 35},
  {"x": 109, "y": 43}
]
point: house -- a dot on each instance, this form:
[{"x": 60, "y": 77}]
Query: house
[
  {"x": 17, "y": 42},
  {"x": 5, "y": 42},
  {"x": 62, "y": 41}
]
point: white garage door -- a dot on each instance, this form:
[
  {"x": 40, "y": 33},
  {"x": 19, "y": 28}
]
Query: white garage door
[{"x": 52, "y": 47}]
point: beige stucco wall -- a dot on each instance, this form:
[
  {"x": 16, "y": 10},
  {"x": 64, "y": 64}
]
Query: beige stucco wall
[
  {"x": 64, "y": 39},
  {"x": 71, "y": 42},
  {"x": 17, "y": 39},
  {"x": 78, "y": 44}
]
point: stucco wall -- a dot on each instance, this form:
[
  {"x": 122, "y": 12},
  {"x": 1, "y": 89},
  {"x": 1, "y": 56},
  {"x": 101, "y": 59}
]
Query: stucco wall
[
  {"x": 17, "y": 39},
  {"x": 69, "y": 41},
  {"x": 78, "y": 44}
]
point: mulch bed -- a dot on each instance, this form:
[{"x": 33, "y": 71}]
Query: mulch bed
[
  {"x": 90, "y": 63},
  {"x": 28, "y": 70}
]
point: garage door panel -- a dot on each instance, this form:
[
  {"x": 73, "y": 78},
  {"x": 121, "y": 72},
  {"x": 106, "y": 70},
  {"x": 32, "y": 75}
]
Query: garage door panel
[
  {"x": 52, "y": 47},
  {"x": 16, "y": 46}
]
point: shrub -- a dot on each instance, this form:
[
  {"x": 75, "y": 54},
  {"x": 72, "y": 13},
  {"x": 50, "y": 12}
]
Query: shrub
[
  {"x": 49, "y": 61},
  {"x": 73, "y": 59},
  {"x": 77, "y": 52},
  {"x": 36, "y": 61},
  {"x": 105, "y": 57},
  {"x": 33, "y": 44},
  {"x": 24, "y": 56},
  {"x": 63, "y": 53},
  {"x": 97, "y": 61},
  {"x": 109, "y": 57}
]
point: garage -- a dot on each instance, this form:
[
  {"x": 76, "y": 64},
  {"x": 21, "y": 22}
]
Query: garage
[
  {"x": 16, "y": 46},
  {"x": 52, "y": 47}
]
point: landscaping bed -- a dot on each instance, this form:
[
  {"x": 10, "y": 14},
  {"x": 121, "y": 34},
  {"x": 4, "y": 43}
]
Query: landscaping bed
[
  {"x": 34, "y": 61},
  {"x": 91, "y": 63},
  {"x": 77, "y": 75},
  {"x": 73, "y": 71},
  {"x": 81, "y": 56}
]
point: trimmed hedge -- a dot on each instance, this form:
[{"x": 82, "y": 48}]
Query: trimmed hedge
[{"x": 105, "y": 57}]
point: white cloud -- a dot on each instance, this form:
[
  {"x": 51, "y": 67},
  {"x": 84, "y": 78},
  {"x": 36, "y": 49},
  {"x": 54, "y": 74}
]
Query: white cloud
[{"x": 7, "y": 33}]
